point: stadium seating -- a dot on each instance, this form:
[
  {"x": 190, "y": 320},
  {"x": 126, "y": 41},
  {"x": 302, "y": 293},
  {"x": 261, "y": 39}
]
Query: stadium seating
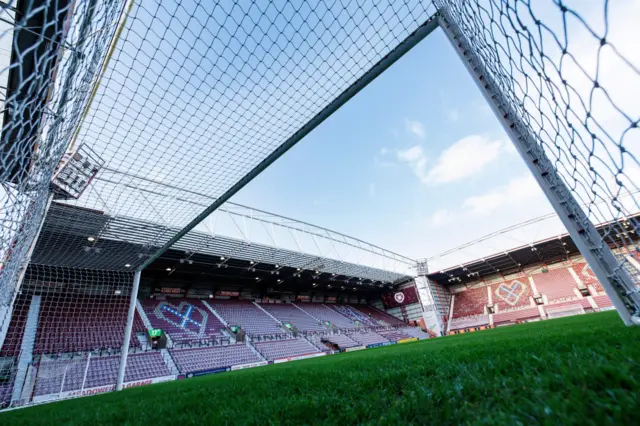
[
  {"x": 470, "y": 302},
  {"x": 101, "y": 371},
  {"x": 512, "y": 294},
  {"x": 323, "y": 313},
  {"x": 342, "y": 340},
  {"x": 584, "y": 272},
  {"x": 381, "y": 318},
  {"x": 246, "y": 315},
  {"x": 5, "y": 394},
  {"x": 288, "y": 313},
  {"x": 555, "y": 284},
  {"x": 13, "y": 339},
  {"x": 415, "y": 332},
  {"x": 285, "y": 348},
  {"x": 184, "y": 320},
  {"x": 316, "y": 340},
  {"x": 468, "y": 322},
  {"x": 354, "y": 315},
  {"x": 602, "y": 301},
  {"x": 516, "y": 315},
  {"x": 69, "y": 324},
  {"x": 210, "y": 358},
  {"x": 394, "y": 335},
  {"x": 368, "y": 338}
]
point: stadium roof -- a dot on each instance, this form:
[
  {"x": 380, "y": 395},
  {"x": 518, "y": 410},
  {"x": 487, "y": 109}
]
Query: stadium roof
[
  {"x": 547, "y": 251},
  {"x": 82, "y": 238}
]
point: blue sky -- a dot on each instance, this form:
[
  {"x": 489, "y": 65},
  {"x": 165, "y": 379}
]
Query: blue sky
[
  {"x": 376, "y": 170},
  {"x": 417, "y": 163}
]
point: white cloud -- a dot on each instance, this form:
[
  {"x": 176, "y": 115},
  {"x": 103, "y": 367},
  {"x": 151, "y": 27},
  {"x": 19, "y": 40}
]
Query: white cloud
[
  {"x": 415, "y": 127},
  {"x": 417, "y": 161},
  {"x": 518, "y": 191},
  {"x": 441, "y": 218},
  {"x": 465, "y": 158},
  {"x": 384, "y": 151},
  {"x": 372, "y": 190}
]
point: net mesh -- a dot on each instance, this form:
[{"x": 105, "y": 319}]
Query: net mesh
[
  {"x": 138, "y": 113},
  {"x": 571, "y": 73}
]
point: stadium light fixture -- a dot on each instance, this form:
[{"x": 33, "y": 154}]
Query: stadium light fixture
[
  {"x": 277, "y": 266},
  {"x": 257, "y": 278},
  {"x": 251, "y": 262},
  {"x": 168, "y": 269},
  {"x": 298, "y": 269},
  {"x": 221, "y": 257},
  {"x": 127, "y": 265},
  {"x": 117, "y": 292},
  {"x": 91, "y": 239},
  {"x": 279, "y": 281}
]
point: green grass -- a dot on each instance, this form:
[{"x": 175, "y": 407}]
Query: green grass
[{"x": 582, "y": 370}]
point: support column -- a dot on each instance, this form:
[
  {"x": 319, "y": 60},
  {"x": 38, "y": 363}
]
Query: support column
[
  {"x": 614, "y": 278},
  {"x": 127, "y": 333}
]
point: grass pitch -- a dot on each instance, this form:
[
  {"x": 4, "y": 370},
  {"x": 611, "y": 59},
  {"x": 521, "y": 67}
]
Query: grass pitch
[{"x": 579, "y": 370}]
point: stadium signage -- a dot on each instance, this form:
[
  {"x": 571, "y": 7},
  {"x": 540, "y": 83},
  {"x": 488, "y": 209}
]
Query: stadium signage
[
  {"x": 510, "y": 293},
  {"x": 206, "y": 372},
  {"x": 303, "y": 298},
  {"x": 298, "y": 357},
  {"x": 249, "y": 365},
  {"x": 332, "y": 299},
  {"x": 355, "y": 348},
  {"x": 399, "y": 297},
  {"x": 171, "y": 290},
  {"x": 100, "y": 389},
  {"x": 228, "y": 293},
  {"x": 411, "y": 339},
  {"x": 376, "y": 345}
]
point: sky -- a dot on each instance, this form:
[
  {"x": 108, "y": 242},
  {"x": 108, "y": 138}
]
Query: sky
[{"x": 418, "y": 163}]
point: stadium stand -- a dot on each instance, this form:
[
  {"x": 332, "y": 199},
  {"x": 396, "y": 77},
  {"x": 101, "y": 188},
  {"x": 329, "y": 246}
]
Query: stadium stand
[
  {"x": 324, "y": 313},
  {"x": 285, "y": 348},
  {"x": 470, "y": 302},
  {"x": 184, "y": 320},
  {"x": 316, "y": 340},
  {"x": 341, "y": 340},
  {"x": 512, "y": 294},
  {"x": 468, "y": 308},
  {"x": 525, "y": 314},
  {"x": 98, "y": 323},
  {"x": 555, "y": 284},
  {"x": 394, "y": 335},
  {"x": 602, "y": 301},
  {"x": 288, "y": 313},
  {"x": 415, "y": 332},
  {"x": 585, "y": 274},
  {"x": 368, "y": 338},
  {"x": 247, "y": 316},
  {"x": 469, "y": 322},
  {"x": 13, "y": 340},
  {"x": 380, "y": 317},
  {"x": 62, "y": 375},
  {"x": 5, "y": 394},
  {"x": 354, "y": 315},
  {"x": 513, "y": 301},
  {"x": 211, "y": 358}
]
